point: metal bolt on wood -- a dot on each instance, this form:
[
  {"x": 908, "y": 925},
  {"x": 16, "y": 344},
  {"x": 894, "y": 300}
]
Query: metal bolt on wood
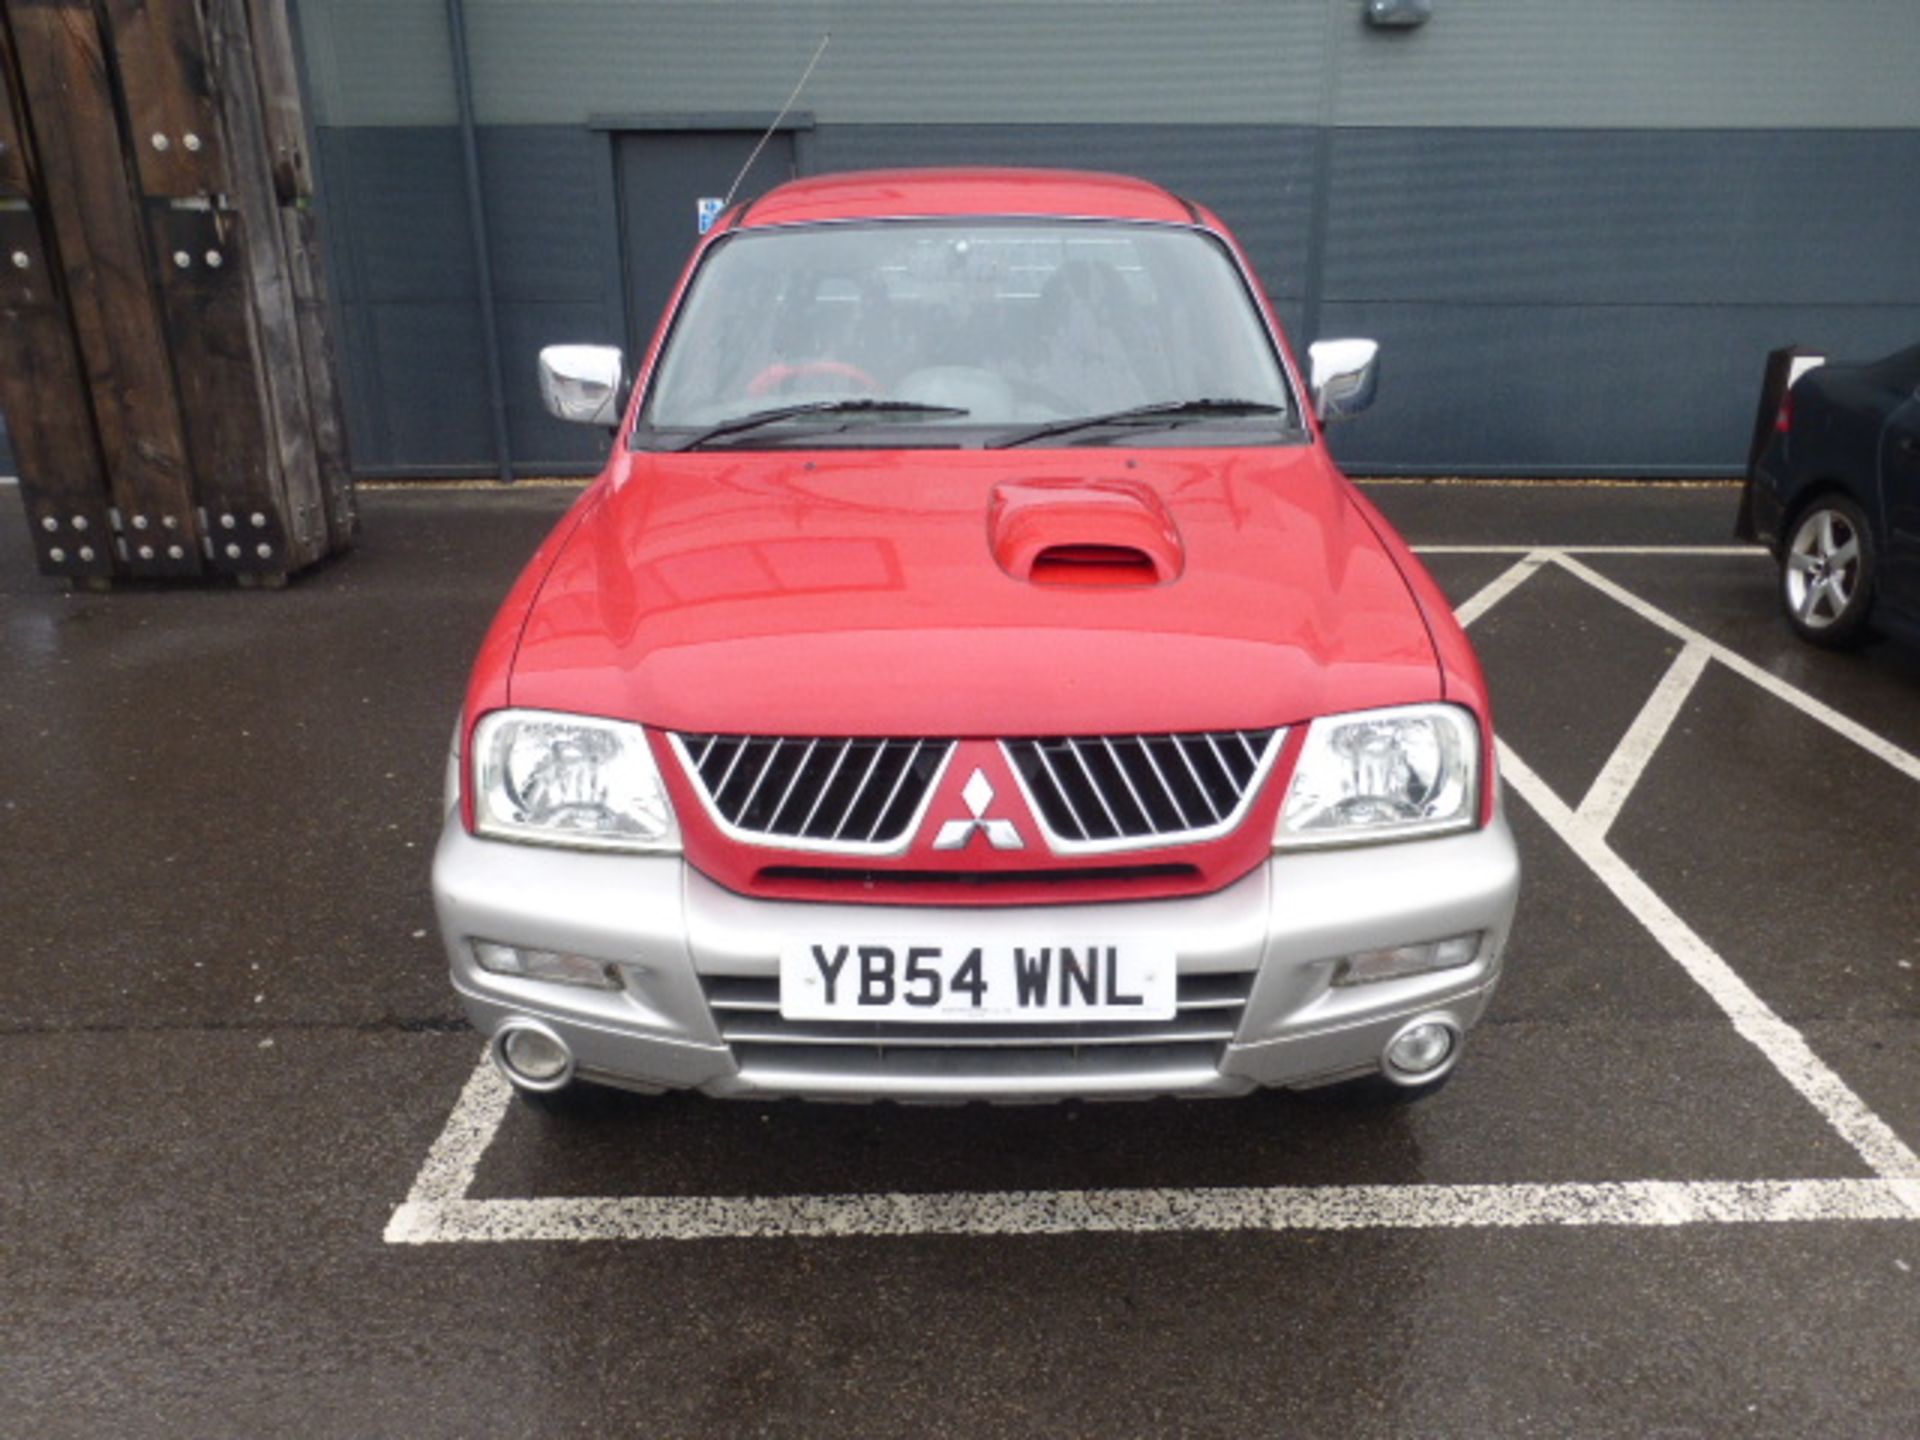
[
  {"x": 22, "y": 260},
  {"x": 160, "y": 142}
]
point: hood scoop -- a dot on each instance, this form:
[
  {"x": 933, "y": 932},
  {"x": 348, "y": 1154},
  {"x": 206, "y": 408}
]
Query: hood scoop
[{"x": 1084, "y": 533}]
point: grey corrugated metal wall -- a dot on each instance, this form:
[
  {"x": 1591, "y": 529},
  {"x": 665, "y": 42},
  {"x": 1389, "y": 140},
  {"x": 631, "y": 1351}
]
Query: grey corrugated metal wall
[{"x": 1575, "y": 227}]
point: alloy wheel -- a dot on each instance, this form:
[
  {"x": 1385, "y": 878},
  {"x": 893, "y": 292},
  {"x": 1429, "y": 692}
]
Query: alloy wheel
[{"x": 1823, "y": 568}]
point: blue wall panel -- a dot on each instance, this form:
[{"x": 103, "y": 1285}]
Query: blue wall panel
[
  {"x": 1580, "y": 389},
  {"x": 402, "y": 265},
  {"x": 1625, "y": 217}
]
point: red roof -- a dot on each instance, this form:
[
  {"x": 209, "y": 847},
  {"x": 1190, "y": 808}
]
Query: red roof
[{"x": 897, "y": 194}]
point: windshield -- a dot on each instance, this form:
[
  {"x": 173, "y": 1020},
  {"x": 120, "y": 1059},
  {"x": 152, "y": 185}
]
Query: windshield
[{"x": 966, "y": 329}]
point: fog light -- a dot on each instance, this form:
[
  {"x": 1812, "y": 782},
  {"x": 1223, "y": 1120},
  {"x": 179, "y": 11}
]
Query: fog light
[
  {"x": 534, "y": 1057},
  {"x": 562, "y": 969},
  {"x": 1368, "y": 966},
  {"x": 1420, "y": 1049}
]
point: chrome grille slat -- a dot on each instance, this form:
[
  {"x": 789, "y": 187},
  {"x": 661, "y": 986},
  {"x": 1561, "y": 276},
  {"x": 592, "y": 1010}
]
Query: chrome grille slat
[
  {"x": 1143, "y": 801},
  {"x": 1126, "y": 779},
  {"x": 1160, "y": 775},
  {"x": 780, "y": 807},
  {"x": 851, "y": 795},
  {"x": 1198, "y": 784},
  {"x": 1066, "y": 795},
  {"x": 1099, "y": 791},
  {"x": 739, "y": 753},
  {"x": 825, "y": 786},
  {"x": 860, "y": 789},
  {"x": 766, "y": 769},
  {"x": 886, "y": 806}
]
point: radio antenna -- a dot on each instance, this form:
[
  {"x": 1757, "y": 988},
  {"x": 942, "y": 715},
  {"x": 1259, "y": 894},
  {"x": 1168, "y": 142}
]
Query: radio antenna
[{"x": 805, "y": 76}]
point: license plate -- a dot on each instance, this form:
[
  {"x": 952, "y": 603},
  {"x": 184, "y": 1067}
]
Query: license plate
[{"x": 917, "y": 980}]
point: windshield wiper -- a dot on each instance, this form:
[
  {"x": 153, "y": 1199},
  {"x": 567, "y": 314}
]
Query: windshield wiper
[
  {"x": 1174, "y": 411},
  {"x": 757, "y": 418}
]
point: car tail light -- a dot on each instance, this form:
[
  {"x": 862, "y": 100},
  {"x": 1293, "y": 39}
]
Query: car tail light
[{"x": 1783, "y": 417}]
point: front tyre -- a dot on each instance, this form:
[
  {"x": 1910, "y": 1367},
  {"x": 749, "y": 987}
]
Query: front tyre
[{"x": 1827, "y": 573}]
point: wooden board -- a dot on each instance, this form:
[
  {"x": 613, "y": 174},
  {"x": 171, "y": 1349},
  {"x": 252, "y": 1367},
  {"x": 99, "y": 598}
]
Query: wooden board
[
  {"x": 13, "y": 152},
  {"x": 275, "y": 317},
  {"x": 200, "y": 257},
  {"x": 62, "y": 479},
  {"x": 302, "y": 229},
  {"x": 160, "y": 57},
  {"x": 279, "y": 73},
  {"x": 101, "y": 241}
]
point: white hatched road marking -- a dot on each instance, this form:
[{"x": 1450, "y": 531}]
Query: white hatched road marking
[
  {"x": 1846, "y": 1112},
  {"x": 1630, "y": 757},
  {"x": 1873, "y": 744},
  {"x": 1501, "y": 586},
  {"x": 438, "y": 1209}
]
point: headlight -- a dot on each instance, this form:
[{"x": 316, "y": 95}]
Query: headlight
[
  {"x": 569, "y": 780},
  {"x": 1384, "y": 775}
]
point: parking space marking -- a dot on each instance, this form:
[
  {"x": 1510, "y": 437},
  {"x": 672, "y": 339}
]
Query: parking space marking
[
  {"x": 1630, "y": 757},
  {"x": 1662, "y": 1203},
  {"x": 440, "y": 1210},
  {"x": 1501, "y": 586},
  {"x": 1901, "y": 760},
  {"x": 455, "y": 1157},
  {"x": 1784, "y": 1047}
]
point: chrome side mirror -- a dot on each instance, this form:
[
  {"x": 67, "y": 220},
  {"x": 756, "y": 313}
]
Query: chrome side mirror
[
  {"x": 582, "y": 383},
  {"x": 1344, "y": 375}
]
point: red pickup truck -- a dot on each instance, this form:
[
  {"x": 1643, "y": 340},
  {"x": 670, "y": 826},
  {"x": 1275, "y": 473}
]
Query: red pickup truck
[{"x": 971, "y": 678}]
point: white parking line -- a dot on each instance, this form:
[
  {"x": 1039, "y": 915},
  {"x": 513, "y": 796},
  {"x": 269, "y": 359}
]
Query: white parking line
[
  {"x": 455, "y": 1157},
  {"x": 439, "y": 1209},
  {"x": 1873, "y": 744},
  {"x": 1783, "y": 1046},
  {"x": 1501, "y": 586},
  {"x": 1630, "y": 757},
  {"x": 1139, "y": 1212}
]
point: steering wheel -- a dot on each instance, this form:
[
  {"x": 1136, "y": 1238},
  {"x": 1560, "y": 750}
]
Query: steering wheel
[{"x": 780, "y": 375}]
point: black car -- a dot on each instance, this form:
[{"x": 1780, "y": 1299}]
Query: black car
[{"x": 1835, "y": 494}]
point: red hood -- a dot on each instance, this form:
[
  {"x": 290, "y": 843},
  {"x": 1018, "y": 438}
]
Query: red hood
[{"x": 859, "y": 592}]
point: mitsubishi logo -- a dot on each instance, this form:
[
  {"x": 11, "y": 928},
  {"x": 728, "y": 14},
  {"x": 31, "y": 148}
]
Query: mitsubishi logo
[{"x": 956, "y": 834}]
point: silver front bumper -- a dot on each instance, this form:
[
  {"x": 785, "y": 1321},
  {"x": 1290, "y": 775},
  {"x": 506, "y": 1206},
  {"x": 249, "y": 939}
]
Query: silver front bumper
[{"x": 1274, "y": 936}]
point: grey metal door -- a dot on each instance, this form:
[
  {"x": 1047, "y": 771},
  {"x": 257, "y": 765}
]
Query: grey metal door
[{"x": 663, "y": 175}]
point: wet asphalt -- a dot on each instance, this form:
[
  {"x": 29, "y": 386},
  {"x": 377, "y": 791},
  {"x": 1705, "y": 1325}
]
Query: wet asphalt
[{"x": 226, "y": 1045}]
